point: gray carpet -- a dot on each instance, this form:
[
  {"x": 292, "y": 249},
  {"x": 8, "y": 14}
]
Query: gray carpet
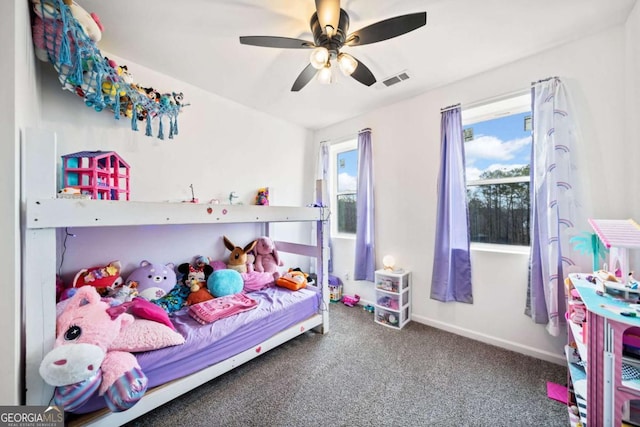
[{"x": 365, "y": 374}]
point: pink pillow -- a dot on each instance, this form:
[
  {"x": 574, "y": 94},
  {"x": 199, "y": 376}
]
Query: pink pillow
[
  {"x": 145, "y": 335},
  {"x": 140, "y": 307}
]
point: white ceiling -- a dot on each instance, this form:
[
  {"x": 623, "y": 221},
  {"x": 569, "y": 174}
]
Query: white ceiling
[{"x": 196, "y": 41}]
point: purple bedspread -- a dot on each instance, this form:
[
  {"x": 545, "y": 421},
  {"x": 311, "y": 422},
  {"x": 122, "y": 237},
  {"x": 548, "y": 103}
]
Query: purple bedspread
[{"x": 206, "y": 345}]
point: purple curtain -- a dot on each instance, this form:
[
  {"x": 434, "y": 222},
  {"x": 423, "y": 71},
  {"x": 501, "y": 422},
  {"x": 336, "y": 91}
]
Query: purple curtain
[
  {"x": 365, "y": 247},
  {"x": 451, "y": 280},
  {"x": 557, "y": 203}
]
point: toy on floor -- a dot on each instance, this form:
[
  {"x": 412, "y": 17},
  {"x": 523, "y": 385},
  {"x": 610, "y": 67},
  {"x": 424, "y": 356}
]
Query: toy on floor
[
  {"x": 240, "y": 260},
  {"x": 369, "y": 308},
  {"x": 350, "y": 301},
  {"x": 82, "y": 361}
]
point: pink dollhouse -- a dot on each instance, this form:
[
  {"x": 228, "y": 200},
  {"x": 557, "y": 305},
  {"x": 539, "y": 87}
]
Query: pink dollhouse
[{"x": 100, "y": 174}]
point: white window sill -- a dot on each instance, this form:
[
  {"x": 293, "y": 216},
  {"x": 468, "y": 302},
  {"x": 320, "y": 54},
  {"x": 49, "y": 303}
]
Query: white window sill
[
  {"x": 344, "y": 236},
  {"x": 505, "y": 249}
]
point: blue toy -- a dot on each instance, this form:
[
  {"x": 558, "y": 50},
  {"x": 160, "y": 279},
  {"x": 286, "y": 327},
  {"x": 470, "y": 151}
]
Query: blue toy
[{"x": 225, "y": 282}]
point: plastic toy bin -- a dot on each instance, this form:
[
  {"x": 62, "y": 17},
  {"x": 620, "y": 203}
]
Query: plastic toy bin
[
  {"x": 387, "y": 317},
  {"x": 389, "y": 301},
  {"x": 387, "y": 284}
]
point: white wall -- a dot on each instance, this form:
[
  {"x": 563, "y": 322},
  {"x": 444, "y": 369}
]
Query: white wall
[
  {"x": 221, "y": 147},
  {"x": 406, "y": 137},
  {"x": 632, "y": 83},
  {"x": 18, "y": 108}
]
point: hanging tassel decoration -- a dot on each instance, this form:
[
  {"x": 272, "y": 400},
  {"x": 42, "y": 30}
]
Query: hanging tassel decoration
[
  {"x": 65, "y": 49},
  {"x": 116, "y": 108},
  {"x": 134, "y": 119},
  {"x": 171, "y": 118},
  {"x": 148, "y": 131},
  {"x": 160, "y": 130},
  {"x": 175, "y": 132}
]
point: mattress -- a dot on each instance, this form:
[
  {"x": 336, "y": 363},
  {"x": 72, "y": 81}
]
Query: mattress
[{"x": 206, "y": 345}]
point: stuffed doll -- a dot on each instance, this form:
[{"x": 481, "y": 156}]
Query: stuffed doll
[
  {"x": 240, "y": 260},
  {"x": 267, "y": 259},
  {"x": 262, "y": 198},
  {"x": 190, "y": 274},
  {"x": 82, "y": 360},
  {"x": 199, "y": 292},
  {"x": 154, "y": 280}
]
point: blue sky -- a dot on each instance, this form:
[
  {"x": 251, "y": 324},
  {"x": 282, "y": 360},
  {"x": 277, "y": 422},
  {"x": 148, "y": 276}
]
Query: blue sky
[
  {"x": 500, "y": 143},
  {"x": 347, "y": 171}
]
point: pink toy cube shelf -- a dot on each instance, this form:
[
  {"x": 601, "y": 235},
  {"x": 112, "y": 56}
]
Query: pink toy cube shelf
[{"x": 100, "y": 174}]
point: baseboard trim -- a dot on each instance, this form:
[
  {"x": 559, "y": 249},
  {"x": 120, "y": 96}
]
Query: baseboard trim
[{"x": 488, "y": 339}]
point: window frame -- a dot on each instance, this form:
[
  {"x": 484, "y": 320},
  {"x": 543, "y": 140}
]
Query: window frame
[
  {"x": 334, "y": 150},
  {"x": 494, "y": 109}
]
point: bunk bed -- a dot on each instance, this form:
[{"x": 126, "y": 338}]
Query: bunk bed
[{"x": 44, "y": 214}]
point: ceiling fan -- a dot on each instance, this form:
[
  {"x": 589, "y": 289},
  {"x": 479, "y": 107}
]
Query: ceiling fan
[{"x": 329, "y": 26}]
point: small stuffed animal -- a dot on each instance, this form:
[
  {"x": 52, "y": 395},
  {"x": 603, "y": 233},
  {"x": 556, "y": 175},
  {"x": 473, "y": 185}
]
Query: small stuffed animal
[
  {"x": 199, "y": 292},
  {"x": 267, "y": 258},
  {"x": 124, "y": 292},
  {"x": 239, "y": 259},
  {"x": 292, "y": 280},
  {"x": 262, "y": 198},
  {"x": 82, "y": 361},
  {"x": 154, "y": 280}
]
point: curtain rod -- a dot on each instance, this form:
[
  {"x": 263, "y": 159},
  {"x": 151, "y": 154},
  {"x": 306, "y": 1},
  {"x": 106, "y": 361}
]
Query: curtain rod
[
  {"x": 485, "y": 101},
  {"x": 544, "y": 80},
  {"x": 342, "y": 138}
]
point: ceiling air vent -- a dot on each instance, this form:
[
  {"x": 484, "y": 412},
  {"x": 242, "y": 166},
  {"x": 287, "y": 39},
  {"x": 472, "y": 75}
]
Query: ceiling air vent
[{"x": 396, "y": 79}]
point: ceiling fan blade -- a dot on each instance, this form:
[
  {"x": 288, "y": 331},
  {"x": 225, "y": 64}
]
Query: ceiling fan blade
[
  {"x": 328, "y": 13},
  {"x": 305, "y": 77},
  {"x": 363, "y": 74},
  {"x": 387, "y": 29},
  {"x": 280, "y": 42}
]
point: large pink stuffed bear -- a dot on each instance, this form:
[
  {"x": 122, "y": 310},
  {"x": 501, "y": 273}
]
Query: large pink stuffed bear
[
  {"x": 267, "y": 259},
  {"x": 81, "y": 361}
]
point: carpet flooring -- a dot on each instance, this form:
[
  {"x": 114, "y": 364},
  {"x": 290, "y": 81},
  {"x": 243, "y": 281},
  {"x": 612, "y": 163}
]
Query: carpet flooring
[{"x": 365, "y": 374}]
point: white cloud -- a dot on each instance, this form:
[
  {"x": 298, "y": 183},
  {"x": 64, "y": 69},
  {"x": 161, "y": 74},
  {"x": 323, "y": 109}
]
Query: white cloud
[
  {"x": 473, "y": 174},
  {"x": 490, "y": 147},
  {"x": 347, "y": 182}
]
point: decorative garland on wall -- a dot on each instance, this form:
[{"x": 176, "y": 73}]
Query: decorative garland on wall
[{"x": 65, "y": 35}]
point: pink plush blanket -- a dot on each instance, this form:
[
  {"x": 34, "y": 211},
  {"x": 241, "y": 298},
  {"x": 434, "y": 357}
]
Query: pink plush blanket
[{"x": 219, "y": 308}]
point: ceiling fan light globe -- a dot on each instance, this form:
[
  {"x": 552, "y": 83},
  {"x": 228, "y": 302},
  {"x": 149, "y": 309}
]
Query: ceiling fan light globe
[
  {"x": 325, "y": 76},
  {"x": 319, "y": 57},
  {"x": 347, "y": 64}
]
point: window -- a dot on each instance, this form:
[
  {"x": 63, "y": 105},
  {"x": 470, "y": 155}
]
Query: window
[
  {"x": 497, "y": 140},
  {"x": 343, "y": 173}
]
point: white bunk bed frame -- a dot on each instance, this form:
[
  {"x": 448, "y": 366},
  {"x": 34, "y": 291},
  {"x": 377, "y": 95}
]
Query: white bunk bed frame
[{"x": 43, "y": 214}]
